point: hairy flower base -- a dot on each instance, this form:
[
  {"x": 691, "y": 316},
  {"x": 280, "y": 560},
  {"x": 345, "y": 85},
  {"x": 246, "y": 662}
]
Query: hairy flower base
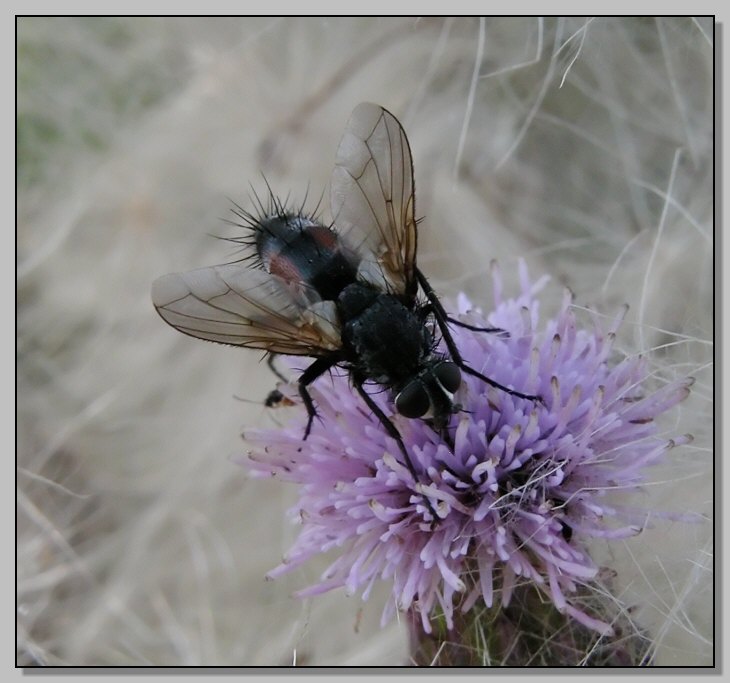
[
  {"x": 519, "y": 486},
  {"x": 530, "y": 631}
]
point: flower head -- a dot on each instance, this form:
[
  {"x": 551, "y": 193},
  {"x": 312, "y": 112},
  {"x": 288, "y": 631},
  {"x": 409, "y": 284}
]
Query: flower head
[{"x": 518, "y": 486}]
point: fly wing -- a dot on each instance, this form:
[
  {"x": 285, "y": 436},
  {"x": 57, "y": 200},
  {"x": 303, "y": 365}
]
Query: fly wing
[
  {"x": 372, "y": 194},
  {"x": 243, "y": 306}
]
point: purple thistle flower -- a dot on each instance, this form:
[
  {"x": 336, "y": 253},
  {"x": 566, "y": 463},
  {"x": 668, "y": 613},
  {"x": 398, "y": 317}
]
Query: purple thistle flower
[{"x": 519, "y": 489}]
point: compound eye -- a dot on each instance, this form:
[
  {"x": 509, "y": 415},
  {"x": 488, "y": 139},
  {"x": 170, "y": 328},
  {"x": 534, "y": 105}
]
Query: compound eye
[
  {"x": 413, "y": 401},
  {"x": 449, "y": 376}
]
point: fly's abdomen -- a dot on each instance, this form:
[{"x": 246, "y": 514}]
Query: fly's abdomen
[{"x": 297, "y": 249}]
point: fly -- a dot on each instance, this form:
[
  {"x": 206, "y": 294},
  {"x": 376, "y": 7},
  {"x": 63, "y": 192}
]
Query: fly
[{"x": 349, "y": 294}]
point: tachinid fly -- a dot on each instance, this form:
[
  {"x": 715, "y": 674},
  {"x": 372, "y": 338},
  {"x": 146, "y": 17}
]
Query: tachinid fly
[{"x": 346, "y": 295}]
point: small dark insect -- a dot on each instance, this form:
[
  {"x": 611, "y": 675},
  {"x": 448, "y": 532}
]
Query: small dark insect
[
  {"x": 346, "y": 294},
  {"x": 275, "y": 399}
]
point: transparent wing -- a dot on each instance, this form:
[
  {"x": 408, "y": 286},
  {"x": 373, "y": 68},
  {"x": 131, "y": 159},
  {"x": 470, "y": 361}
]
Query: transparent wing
[
  {"x": 372, "y": 194},
  {"x": 239, "y": 305}
]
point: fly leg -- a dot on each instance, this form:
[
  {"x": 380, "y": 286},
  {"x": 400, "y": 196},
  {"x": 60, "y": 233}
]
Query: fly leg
[
  {"x": 474, "y": 328},
  {"x": 270, "y": 362},
  {"x": 274, "y": 397},
  {"x": 394, "y": 434},
  {"x": 316, "y": 369},
  {"x": 442, "y": 320},
  {"x": 429, "y": 309}
]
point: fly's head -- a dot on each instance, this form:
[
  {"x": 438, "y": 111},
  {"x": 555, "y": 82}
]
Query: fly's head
[{"x": 430, "y": 395}]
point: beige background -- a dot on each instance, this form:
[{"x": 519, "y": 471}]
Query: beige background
[{"x": 584, "y": 146}]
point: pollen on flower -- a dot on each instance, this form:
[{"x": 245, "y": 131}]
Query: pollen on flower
[{"x": 518, "y": 486}]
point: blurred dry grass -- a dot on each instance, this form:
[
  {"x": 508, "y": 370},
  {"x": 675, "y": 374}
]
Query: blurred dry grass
[{"x": 585, "y": 146}]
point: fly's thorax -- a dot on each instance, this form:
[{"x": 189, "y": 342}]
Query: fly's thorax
[
  {"x": 387, "y": 340},
  {"x": 356, "y": 299}
]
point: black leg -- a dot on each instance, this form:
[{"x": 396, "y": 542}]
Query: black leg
[
  {"x": 474, "y": 328},
  {"x": 428, "y": 309},
  {"x": 395, "y": 435},
  {"x": 316, "y": 369},
  {"x": 389, "y": 426},
  {"x": 270, "y": 362},
  {"x": 274, "y": 397},
  {"x": 442, "y": 320}
]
